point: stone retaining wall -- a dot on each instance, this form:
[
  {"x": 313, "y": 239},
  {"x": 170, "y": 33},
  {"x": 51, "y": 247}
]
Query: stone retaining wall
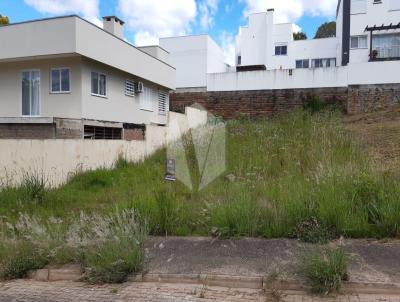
[{"x": 267, "y": 103}]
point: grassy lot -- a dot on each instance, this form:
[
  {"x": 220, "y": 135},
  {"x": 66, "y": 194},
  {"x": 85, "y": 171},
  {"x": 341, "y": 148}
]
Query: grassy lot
[{"x": 300, "y": 175}]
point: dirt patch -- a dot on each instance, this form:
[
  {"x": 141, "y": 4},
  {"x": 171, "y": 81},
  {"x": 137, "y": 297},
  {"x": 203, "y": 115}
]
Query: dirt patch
[{"x": 379, "y": 133}]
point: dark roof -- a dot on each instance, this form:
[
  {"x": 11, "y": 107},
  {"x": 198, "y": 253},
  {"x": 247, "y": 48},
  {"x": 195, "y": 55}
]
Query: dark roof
[{"x": 116, "y": 19}]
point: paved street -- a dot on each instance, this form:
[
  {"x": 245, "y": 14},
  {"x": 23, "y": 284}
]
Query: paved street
[{"x": 32, "y": 291}]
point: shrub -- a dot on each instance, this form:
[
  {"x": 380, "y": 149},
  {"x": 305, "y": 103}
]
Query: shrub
[
  {"x": 167, "y": 212},
  {"x": 34, "y": 186},
  {"x": 314, "y": 104},
  {"x": 313, "y": 231},
  {"x": 18, "y": 258},
  {"x": 326, "y": 270}
]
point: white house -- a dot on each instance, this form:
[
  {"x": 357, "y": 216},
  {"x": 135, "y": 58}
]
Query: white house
[
  {"x": 194, "y": 57},
  {"x": 67, "y": 78},
  {"x": 264, "y": 45}
]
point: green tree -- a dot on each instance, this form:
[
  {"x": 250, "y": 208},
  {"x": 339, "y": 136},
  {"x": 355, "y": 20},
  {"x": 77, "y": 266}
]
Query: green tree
[
  {"x": 326, "y": 30},
  {"x": 4, "y": 20},
  {"x": 299, "y": 36}
]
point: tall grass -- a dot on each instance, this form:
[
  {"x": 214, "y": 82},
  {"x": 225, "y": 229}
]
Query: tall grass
[{"x": 289, "y": 171}]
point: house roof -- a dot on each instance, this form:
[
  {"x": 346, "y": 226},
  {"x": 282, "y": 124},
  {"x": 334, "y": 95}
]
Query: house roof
[{"x": 42, "y": 37}]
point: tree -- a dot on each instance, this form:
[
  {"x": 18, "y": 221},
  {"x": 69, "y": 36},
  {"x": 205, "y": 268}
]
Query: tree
[
  {"x": 299, "y": 36},
  {"x": 4, "y": 20},
  {"x": 326, "y": 30}
]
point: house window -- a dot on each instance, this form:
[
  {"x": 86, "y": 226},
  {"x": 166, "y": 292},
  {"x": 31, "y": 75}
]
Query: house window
[
  {"x": 358, "y": 7},
  {"x": 60, "y": 80},
  {"x": 130, "y": 88},
  {"x": 386, "y": 46},
  {"x": 357, "y": 42},
  {"x": 99, "y": 84},
  {"x": 31, "y": 93},
  {"x": 281, "y": 50},
  {"x": 96, "y": 132},
  {"x": 146, "y": 98},
  {"x": 239, "y": 60},
  {"x": 163, "y": 98},
  {"x": 320, "y": 63},
  {"x": 303, "y": 63}
]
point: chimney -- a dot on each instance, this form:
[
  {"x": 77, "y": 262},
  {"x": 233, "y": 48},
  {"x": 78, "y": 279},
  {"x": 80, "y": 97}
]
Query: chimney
[{"x": 114, "y": 26}]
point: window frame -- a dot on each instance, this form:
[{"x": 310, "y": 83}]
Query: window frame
[
  {"x": 131, "y": 82},
  {"x": 99, "y": 74},
  {"x": 59, "y": 69},
  {"x": 145, "y": 104},
  {"x": 358, "y": 41},
  {"x": 302, "y": 63},
  {"x": 321, "y": 60},
  {"x": 30, "y": 71},
  {"x": 280, "y": 52}
]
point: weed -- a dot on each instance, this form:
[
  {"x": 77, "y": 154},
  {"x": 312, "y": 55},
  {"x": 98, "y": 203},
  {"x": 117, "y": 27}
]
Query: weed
[
  {"x": 313, "y": 231},
  {"x": 34, "y": 186},
  {"x": 326, "y": 270}
]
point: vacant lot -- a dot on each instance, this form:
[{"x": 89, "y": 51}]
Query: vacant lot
[{"x": 310, "y": 176}]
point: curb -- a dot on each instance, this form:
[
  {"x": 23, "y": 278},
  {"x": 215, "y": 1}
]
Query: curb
[{"x": 74, "y": 273}]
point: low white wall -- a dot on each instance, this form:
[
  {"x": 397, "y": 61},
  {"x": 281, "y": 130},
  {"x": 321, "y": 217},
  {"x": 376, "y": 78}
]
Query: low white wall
[
  {"x": 57, "y": 160},
  {"x": 368, "y": 73}
]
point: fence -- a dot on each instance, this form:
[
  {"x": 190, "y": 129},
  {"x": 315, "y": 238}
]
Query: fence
[{"x": 57, "y": 160}]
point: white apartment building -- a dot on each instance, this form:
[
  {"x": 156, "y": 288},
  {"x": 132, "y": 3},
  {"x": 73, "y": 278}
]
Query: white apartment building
[
  {"x": 268, "y": 57},
  {"x": 194, "y": 57},
  {"x": 264, "y": 45},
  {"x": 67, "y": 78}
]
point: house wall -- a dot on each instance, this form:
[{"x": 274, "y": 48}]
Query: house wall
[
  {"x": 189, "y": 57},
  {"x": 256, "y": 44},
  {"x": 51, "y": 105},
  {"x": 57, "y": 160},
  {"x": 73, "y": 35},
  {"x": 386, "y": 12},
  {"x": 116, "y": 106}
]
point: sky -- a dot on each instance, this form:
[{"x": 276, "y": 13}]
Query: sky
[{"x": 146, "y": 20}]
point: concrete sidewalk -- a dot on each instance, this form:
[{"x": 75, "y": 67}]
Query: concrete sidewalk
[{"x": 371, "y": 261}]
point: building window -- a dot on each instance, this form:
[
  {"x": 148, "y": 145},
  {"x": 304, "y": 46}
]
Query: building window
[
  {"x": 386, "y": 46},
  {"x": 320, "y": 63},
  {"x": 60, "y": 80},
  {"x": 357, "y": 42},
  {"x": 99, "y": 84},
  {"x": 95, "y": 132},
  {"x": 130, "y": 88},
  {"x": 281, "y": 50},
  {"x": 31, "y": 93},
  {"x": 146, "y": 98},
  {"x": 239, "y": 62},
  {"x": 303, "y": 63},
  {"x": 358, "y": 7},
  {"x": 163, "y": 98}
]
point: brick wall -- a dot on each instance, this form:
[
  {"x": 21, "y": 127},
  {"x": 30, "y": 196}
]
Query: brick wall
[
  {"x": 133, "y": 135},
  {"x": 27, "y": 131},
  {"x": 266, "y": 103},
  {"x": 367, "y": 98},
  {"x": 257, "y": 103}
]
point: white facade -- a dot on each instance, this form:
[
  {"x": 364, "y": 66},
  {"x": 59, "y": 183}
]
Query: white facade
[
  {"x": 194, "y": 57},
  {"x": 263, "y": 43},
  {"x": 69, "y": 68}
]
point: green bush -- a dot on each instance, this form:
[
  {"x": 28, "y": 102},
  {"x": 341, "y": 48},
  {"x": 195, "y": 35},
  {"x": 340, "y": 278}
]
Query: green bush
[
  {"x": 34, "y": 186},
  {"x": 314, "y": 104},
  {"x": 313, "y": 231},
  {"x": 326, "y": 270},
  {"x": 18, "y": 258}
]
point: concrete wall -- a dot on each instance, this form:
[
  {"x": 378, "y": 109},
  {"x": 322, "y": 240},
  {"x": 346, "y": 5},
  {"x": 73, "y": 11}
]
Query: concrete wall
[
  {"x": 343, "y": 76},
  {"x": 51, "y": 105},
  {"x": 60, "y": 159}
]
